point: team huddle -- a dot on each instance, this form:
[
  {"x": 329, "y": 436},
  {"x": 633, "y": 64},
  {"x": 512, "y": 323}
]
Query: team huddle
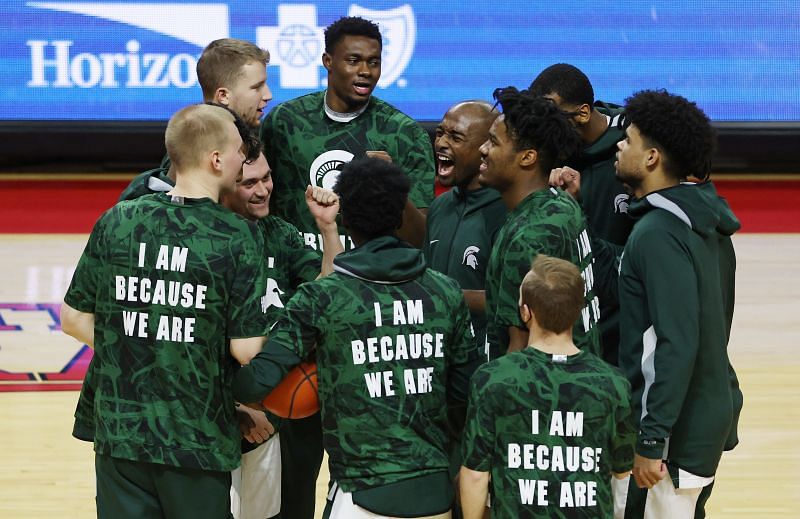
[{"x": 547, "y": 338}]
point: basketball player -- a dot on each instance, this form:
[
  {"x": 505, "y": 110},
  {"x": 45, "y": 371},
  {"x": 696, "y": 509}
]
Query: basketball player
[
  {"x": 676, "y": 287},
  {"x": 257, "y": 484},
  {"x": 168, "y": 293},
  {"x": 393, "y": 344},
  {"x": 231, "y": 73},
  {"x": 309, "y": 138},
  {"x": 530, "y": 138},
  {"x": 548, "y": 425},
  {"x": 462, "y": 224},
  {"x": 591, "y": 179}
]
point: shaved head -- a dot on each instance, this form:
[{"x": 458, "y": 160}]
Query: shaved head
[{"x": 459, "y": 136}]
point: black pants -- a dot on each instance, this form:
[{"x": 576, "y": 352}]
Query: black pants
[{"x": 301, "y": 458}]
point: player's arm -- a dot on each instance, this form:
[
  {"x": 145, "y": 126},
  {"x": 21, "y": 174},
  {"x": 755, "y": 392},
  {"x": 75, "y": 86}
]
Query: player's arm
[
  {"x": 474, "y": 491},
  {"x": 476, "y": 300},
  {"x": 77, "y": 324},
  {"x": 666, "y": 270},
  {"x": 244, "y": 349},
  {"x": 324, "y": 206},
  {"x": 517, "y": 339}
]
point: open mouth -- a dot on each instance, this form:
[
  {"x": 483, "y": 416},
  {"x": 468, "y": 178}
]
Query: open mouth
[
  {"x": 362, "y": 88},
  {"x": 444, "y": 165}
]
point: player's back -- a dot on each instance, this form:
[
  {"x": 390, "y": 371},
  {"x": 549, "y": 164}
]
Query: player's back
[
  {"x": 170, "y": 270},
  {"x": 391, "y": 335},
  {"x": 558, "y": 425}
]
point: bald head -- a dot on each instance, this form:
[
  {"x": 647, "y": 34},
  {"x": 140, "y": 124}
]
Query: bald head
[{"x": 459, "y": 136}]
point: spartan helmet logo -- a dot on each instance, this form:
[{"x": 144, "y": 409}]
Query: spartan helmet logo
[
  {"x": 471, "y": 257},
  {"x": 621, "y": 203},
  {"x": 272, "y": 297},
  {"x": 326, "y": 168}
]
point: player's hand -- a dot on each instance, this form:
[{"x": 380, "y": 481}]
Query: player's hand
[
  {"x": 568, "y": 179},
  {"x": 323, "y": 204},
  {"x": 254, "y": 425},
  {"x": 380, "y": 155},
  {"x": 648, "y": 472}
]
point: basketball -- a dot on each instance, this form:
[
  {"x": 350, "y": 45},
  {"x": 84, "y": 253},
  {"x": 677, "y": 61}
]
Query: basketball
[{"x": 296, "y": 395}]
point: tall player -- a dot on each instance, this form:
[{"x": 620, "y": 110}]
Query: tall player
[
  {"x": 591, "y": 179},
  {"x": 168, "y": 293},
  {"x": 462, "y": 224},
  {"x": 525, "y": 143},
  {"x": 308, "y": 139},
  {"x": 393, "y": 343},
  {"x": 676, "y": 289},
  {"x": 231, "y": 73},
  {"x": 548, "y": 425}
]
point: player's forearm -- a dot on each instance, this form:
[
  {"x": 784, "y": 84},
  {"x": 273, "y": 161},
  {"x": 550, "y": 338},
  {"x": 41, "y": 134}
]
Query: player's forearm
[
  {"x": 413, "y": 228},
  {"x": 474, "y": 490},
  {"x": 254, "y": 381},
  {"x": 476, "y": 300},
  {"x": 77, "y": 324},
  {"x": 331, "y": 246}
]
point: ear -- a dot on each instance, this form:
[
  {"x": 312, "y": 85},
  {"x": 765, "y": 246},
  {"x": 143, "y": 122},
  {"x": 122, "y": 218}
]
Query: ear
[
  {"x": 527, "y": 158},
  {"x": 216, "y": 160},
  {"x": 584, "y": 114},
  {"x": 222, "y": 96},
  {"x": 652, "y": 158},
  {"x": 525, "y": 313},
  {"x": 327, "y": 59}
]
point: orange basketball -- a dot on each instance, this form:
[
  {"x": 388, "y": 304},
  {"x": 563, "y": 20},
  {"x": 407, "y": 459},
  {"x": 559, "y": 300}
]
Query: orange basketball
[{"x": 296, "y": 395}]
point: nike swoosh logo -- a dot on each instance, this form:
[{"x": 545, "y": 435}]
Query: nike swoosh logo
[{"x": 433, "y": 241}]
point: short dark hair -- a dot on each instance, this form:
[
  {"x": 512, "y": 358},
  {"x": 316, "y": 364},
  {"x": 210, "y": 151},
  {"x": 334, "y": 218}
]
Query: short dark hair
[
  {"x": 372, "y": 194},
  {"x": 677, "y": 127},
  {"x": 565, "y": 80},
  {"x": 554, "y": 291},
  {"x": 250, "y": 139},
  {"x": 536, "y": 123},
  {"x": 350, "y": 26}
]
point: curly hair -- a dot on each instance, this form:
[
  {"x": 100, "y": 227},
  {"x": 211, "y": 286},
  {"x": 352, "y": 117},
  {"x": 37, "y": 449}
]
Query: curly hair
[
  {"x": 372, "y": 194},
  {"x": 350, "y": 26},
  {"x": 534, "y": 122},
  {"x": 677, "y": 127},
  {"x": 567, "y": 81}
]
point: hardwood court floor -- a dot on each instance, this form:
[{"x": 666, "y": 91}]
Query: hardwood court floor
[{"x": 46, "y": 473}]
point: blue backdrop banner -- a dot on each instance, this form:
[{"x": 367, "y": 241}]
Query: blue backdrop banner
[{"x": 112, "y": 60}]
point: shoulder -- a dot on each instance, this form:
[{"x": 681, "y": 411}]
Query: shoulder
[
  {"x": 384, "y": 110},
  {"x": 292, "y": 108},
  {"x": 498, "y": 374},
  {"x": 442, "y": 283},
  {"x": 441, "y": 202}
]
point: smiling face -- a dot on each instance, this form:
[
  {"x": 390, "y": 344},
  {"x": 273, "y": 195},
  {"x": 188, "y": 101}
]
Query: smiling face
[
  {"x": 249, "y": 94},
  {"x": 251, "y": 197},
  {"x": 354, "y": 68},
  {"x": 500, "y": 159},
  {"x": 458, "y": 140}
]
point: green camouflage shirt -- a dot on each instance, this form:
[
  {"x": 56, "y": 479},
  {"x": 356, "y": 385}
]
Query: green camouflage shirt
[
  {"x": 546, "y": 222},
  {"x": 151, "y": 181},
  {"x": 550, "y": 429},
  {"x": 304, "y": 146},
  {"x": 393, "y": 345},
  {"x": 169, "y": 282}
]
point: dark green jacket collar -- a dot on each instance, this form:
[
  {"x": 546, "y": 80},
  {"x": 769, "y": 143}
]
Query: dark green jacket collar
[{"x": 383, "y": 260}]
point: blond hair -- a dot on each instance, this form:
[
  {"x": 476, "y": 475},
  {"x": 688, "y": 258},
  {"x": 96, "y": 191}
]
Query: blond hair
[
  {"x": 194, "y": 132},
  {"x": 221, "y": 62}
]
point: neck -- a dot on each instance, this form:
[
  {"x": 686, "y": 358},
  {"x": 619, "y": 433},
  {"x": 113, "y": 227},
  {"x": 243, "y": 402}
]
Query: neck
[
  {"x": 340, "y": 107},
  {"x": 595, "y": 128},
  {"x": 195, "y": 184},
  {"x": 472, "y": 185},
  {"x": 551, "y": 343},
  {"x": 528, "y": 183},
  {"x": 656, "y": 180}
]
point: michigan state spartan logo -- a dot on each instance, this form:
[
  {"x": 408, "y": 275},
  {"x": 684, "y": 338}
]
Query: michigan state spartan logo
[
  {"x": 326, "y": 168},
  {"x": 471, "y": 257},
  {"x": 621, "y": 203}
]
